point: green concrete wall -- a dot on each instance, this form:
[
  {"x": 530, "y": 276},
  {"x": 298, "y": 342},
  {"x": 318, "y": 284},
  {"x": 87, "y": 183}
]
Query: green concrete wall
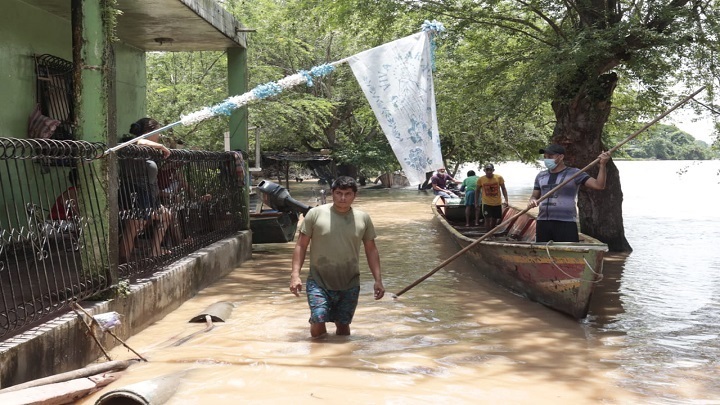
[
  {"x": 130, "y": 86},
  {"x": 25, "y": 31}
]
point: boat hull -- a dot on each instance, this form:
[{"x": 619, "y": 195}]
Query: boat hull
[
  {"x": 561, "y": 276},
  {"x": 273, "y": 227}
]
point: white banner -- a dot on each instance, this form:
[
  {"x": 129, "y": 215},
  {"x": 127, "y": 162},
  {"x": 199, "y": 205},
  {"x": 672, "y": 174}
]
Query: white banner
[{"x": 397, "y": 81}]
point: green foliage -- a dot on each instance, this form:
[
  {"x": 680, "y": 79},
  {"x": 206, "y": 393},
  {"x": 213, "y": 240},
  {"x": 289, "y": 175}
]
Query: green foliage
[
  {"x": 182, "y": 82},
  {"x": 120, "y": 290},
  {"x": 667, "y": 142},
  {"x": 532, "y": 52},
  {"x": 375, "y": 155},
  {"x": 474, "y": 94}
]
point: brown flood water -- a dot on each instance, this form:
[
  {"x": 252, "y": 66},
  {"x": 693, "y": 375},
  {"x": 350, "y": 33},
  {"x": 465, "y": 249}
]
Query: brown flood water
[{"x": 455, "y": 337}]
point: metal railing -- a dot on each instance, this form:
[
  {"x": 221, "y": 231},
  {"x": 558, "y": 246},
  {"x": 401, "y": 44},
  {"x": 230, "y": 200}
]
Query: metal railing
[
  {"x": 170, "y": 207},
  {"x": 55, "y": 210}
]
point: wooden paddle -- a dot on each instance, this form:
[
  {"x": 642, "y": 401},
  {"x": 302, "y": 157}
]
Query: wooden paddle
[{"x": 549, "y": 193}]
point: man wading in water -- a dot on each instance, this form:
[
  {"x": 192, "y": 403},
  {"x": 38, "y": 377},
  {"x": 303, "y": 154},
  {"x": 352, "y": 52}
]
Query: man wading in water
[{"x": 333, "y": 285}]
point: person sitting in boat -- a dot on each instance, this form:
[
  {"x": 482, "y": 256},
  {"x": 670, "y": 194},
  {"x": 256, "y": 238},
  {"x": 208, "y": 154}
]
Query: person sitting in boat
[
  {"x": 557, "y": 219},
  {"x": 490, "y": 185},
  {"x": 469, "y": 185},
  {"x": 439, "y": 184}
]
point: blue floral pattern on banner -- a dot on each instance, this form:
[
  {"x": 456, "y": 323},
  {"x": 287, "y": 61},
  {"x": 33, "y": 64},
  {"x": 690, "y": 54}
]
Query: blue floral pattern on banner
[{"x": 397, "y": 81}]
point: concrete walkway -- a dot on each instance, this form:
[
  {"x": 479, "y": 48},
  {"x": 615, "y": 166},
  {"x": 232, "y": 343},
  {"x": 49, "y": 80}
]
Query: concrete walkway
[{"x": 63, "y": 344}]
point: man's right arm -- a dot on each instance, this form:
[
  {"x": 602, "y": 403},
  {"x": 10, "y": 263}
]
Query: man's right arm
[
  {"x": 434, "y": 184},
  {"x": 533, "y": 199},
  {"x": 297, "y": 262}
]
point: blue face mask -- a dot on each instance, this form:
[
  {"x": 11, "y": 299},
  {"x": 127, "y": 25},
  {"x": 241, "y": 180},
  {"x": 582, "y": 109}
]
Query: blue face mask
[{"x": 550, "y": 164}]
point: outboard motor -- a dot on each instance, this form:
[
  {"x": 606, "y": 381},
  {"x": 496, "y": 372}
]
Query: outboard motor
[{"x": 279, "y": 199}]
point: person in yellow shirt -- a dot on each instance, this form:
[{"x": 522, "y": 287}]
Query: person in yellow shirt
[{"x": 490, "y": 185}]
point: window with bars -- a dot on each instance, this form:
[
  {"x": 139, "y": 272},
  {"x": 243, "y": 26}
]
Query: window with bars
[{"x": 54, "y": 77}]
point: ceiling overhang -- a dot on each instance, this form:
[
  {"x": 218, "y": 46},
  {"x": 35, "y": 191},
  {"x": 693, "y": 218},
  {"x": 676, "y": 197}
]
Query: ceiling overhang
[{"x": 168, "y": 25}]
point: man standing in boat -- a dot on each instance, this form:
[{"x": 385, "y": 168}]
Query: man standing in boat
[
  {"x": 557, "y": 219},
  {"x": 439, "y": 184},
  {"x": 469, "y": 185},
  {"x": 490, "y": 185},
  {"x": 333, "y": 285}
]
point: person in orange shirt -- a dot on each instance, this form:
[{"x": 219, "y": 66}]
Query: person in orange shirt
[{"x": 490, "y": 185}]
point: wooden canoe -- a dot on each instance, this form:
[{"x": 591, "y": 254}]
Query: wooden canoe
[{"x": 561, "y": 276}]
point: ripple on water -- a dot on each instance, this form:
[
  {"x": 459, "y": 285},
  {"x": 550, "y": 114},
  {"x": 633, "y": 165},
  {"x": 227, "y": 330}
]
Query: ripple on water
[
  {"x": 413, "y": 369},
  {"x": 492, "y": 348},
  {"x": 475, "y": 332},
  {"x": 402, "y": 345},
  {"x": 475, "y": 359}
]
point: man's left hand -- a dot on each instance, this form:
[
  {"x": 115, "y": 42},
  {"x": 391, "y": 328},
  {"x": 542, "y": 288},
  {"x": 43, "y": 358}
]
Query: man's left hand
[{"x": 379, "y": 290}]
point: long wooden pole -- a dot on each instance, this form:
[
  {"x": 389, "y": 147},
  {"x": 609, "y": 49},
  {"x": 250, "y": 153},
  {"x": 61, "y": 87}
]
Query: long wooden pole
[
  {"x": 549, "y": 193},
  {"x": 71, "y": 375}
]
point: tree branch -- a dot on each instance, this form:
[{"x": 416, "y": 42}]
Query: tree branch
[{"x": 558, "y": 31}]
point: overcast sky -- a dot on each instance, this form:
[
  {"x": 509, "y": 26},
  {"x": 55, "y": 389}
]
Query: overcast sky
[{"x": 701, "y": 128}]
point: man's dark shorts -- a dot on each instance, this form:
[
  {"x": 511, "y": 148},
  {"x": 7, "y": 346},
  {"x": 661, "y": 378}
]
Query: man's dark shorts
[
  {"x": 556, "y": 231},
  {"x": 331, "y": 305},
  {"x": 492, "y": 211}
]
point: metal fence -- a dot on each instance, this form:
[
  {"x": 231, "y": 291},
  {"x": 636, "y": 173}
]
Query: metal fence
[
  {"x": 55, "y": 209},
  {"x": 170, "y": 207}
]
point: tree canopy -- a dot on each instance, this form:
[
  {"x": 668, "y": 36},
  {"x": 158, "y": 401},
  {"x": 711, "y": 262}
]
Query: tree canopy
[{"x": 511, "y": 76}]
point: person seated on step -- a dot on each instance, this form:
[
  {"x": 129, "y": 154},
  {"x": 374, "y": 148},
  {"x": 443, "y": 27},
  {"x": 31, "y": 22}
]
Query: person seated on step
[
  {"x": 66, "y": 204},
  {"x": 139, "y": 194},
  {"x": 177, "y": 195}
]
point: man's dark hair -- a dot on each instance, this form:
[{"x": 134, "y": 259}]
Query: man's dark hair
[
  {"x": 344, "y": 183},
  {"x": 470, "y": 173}
]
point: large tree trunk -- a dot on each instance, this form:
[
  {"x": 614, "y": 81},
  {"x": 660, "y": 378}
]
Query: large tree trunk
[{"x": 580, "y": 121}]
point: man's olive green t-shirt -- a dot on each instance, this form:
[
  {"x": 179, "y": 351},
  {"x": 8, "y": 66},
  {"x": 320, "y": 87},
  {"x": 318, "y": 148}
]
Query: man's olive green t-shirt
[{"x": 335, "y": 240}]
